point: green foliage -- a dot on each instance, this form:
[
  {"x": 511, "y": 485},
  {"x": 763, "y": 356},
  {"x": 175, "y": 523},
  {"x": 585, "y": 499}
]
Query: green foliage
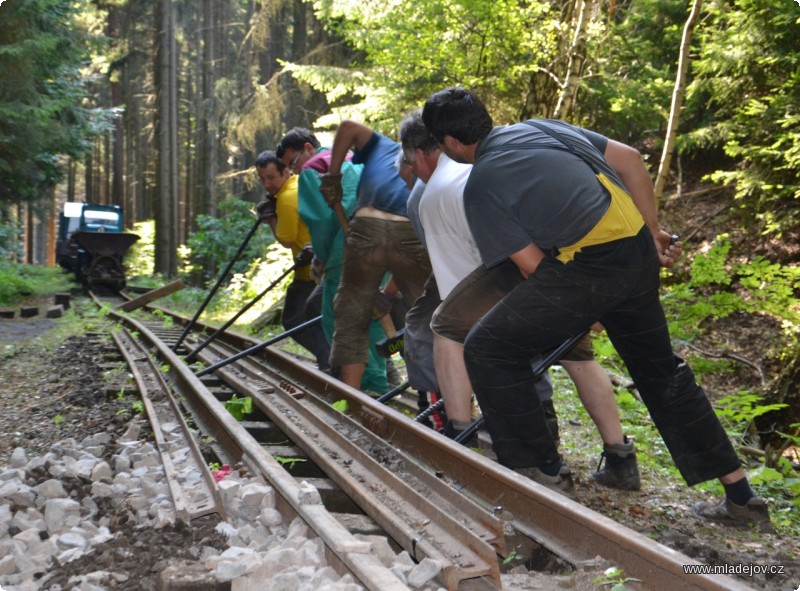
[
  {"x": 614, "y": 578},
  {"x": 42, "y": 50},
  {"x": 58, "y": 419},
  {"x": 776, "y": 477},
  {"x": 239, "y": 407},
  {"x": 18, "y": 282},
  {"x": 747, "y": 80},
  {"x": 494, "y": 46},
  {"x": 140, "y": 258},
  {"x": 739, "y": 410},
  {"x": 288, "y": 463},
  {"x": 218, "y": 238},
  {"x": 632, "y": 67},
  {"x": 241, "y": 289},
  {"x": 10, "y": 244},
  {"x": 13, "y": 287},
  {"x": 719, "y": 286},
  {"x": 511, "y": 557},
  {"x": 167, "y": 321},
  {"x": 262, "y": 272},
  {"x": 341, "y": 405}
]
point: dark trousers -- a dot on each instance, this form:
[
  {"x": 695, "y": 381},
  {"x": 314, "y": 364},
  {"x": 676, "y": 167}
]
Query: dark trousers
[
  {"x": 418, "y": 340},
  {"x": 295, "y": 313},
  {"x": 617, "y": 284}
]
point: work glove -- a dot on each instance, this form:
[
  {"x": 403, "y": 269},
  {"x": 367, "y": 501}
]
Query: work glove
[
  {"x": 305, "y": 256},
  {"x": 317, "y": 270},
  {"x": 383, "y": 303},
  {"x": 331, "y": 188},
  {"x": 267, "y": 208}
]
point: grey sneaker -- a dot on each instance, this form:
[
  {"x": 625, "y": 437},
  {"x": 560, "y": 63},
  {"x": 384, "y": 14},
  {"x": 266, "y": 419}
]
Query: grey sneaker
[
  {"x": 561, "y": 482},
  {"x": 723, "y": 511},
  {"x": 621, "y": 469}
]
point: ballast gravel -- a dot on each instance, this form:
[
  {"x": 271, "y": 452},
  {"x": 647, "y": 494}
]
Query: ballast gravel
[{"x": 100, "y": 502}]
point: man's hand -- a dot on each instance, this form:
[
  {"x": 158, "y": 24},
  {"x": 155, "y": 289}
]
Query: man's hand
[
  {"x": 317, "y": 270},
  {"x": 305, "y": 256},
  {"x": 331, "y": 188},
  {"x": 267, "y": 208},
  {"x": 668, "y": 248},
  {"x": 383, "y": 303}
]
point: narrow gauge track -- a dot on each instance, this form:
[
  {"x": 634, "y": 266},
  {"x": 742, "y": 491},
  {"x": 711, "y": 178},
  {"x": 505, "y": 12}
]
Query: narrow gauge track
[{"x": 433, "y": 497}]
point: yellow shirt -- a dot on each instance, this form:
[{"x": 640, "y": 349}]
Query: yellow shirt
[
  {"x": 621, "y": 220},
  {"x": 290, "y": 227}
]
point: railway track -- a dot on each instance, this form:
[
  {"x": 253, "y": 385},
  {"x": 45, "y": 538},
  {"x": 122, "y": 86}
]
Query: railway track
[{"x": 432, "y": 497}]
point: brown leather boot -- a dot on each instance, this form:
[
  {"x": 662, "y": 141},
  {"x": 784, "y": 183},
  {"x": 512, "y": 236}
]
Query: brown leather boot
[{"x": 621, "y": 469}]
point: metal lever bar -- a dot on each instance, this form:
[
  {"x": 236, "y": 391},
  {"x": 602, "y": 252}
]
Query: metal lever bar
[
  {"x": 214, "y": 289},
  {"x": 538, "y": 371},
  {"x": 259, "y": 347}
]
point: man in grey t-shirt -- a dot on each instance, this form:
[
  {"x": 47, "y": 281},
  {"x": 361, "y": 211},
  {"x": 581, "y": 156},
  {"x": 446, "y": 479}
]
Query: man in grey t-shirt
[{"x": 590, "y": 251}]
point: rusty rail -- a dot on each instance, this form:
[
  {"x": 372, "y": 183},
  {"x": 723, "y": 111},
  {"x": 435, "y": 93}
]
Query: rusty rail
[{"x": 570, "y": 530}]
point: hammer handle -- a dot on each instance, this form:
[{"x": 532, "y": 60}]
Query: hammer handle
[
  {"x": 388, "y": 326},
  {"x": 342, "y": 217}
]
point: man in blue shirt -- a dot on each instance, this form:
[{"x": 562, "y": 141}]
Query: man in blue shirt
[{"x": 380, "y": 240}]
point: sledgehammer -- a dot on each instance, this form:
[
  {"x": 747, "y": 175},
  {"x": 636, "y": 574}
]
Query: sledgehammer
[{"x": 391, "y": 345}]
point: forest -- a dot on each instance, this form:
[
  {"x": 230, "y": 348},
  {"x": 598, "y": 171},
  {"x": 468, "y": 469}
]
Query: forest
[{"x": 162, "y": 106}]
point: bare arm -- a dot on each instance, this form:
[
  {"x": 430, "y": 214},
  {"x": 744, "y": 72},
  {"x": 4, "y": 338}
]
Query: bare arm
[
  {"x": 627, "y": 163},
  {"x": 351, "y": 134},
  {"x": 527, "y": 259}
]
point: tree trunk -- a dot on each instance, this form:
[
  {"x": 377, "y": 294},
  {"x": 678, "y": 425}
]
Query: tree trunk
[
  {"x": 207, "y": 153},
  {"x": 677, "y": 99},
  {"x": 117, "y": 190},
  {"x": 88, "y": 185},
  {"x": 52, "y": 229},
  {"x": 577, "y": 57},
  {"x": 166, "y": 261}
]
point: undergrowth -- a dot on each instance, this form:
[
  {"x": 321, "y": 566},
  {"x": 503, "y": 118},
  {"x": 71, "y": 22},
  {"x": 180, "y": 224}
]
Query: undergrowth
[
  {"x": 718, "y": 286},
  {"x": 20, "y": 282}
]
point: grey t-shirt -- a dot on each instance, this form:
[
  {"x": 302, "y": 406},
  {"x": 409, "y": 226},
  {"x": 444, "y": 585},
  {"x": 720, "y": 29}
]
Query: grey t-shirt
[
  {"x": 413, "y": 210},
  {"x": 527, "y": 187}
]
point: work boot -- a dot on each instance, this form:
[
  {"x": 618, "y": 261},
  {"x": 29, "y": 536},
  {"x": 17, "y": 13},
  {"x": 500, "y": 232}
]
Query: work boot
[
  {"x": 620, "y": 470},
  {"x": 551, "y": 417},
  {"x": 561, "y": 482},
  {"x": 723, "y": 511}
]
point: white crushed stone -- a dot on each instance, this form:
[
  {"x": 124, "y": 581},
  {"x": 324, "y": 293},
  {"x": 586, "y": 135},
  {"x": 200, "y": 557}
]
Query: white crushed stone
[{"x": 51, "y": 526}]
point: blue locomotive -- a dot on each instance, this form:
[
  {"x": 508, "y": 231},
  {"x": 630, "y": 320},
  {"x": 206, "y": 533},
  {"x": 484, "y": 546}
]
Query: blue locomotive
[{"x": 91, "y": 243}]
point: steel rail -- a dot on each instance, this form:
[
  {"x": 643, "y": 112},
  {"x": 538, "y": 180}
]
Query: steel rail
[
  {"x": 572, "y": 531},
  {"x": 192, "y": 499},
  {"x": 346, "y": 552},
  {"x": 567, "y": 528},
  {"x": 416, "y": 508}
]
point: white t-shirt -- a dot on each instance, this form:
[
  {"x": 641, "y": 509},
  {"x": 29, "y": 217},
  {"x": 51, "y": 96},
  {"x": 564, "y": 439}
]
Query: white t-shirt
[{"x": 451, "y": 247}]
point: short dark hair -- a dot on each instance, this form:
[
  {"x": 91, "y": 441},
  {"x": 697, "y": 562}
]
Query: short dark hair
[
  {"x": 459, "y": 113},
  {"x": 414, "y": 135},
  {"x": 296, "y": 138},
  {"x": 268, "y": 157}
]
